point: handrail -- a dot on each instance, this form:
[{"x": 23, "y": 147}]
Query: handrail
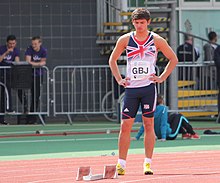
[
  {"x": 113, "y": 6},
  {"x": 195, "y": 36}
]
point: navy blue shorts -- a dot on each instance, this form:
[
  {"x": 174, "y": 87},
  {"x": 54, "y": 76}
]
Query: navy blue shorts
[{"x": 146, "y": 96}]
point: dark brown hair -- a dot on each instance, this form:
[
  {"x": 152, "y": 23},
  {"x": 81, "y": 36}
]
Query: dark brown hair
[
  {"x": 36, "y": 38},
  {"x": 11, "y": 38},
  {"x": 140, "y": 13}
]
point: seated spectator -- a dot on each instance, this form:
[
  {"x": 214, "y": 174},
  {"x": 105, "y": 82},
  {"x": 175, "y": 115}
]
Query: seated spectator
[{"x": 168, "y": 128}]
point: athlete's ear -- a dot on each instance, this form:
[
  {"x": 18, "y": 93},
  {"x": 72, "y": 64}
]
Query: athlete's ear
[
  {"x": 148, "y": 22},
  {"x": 132, "y": 22}
]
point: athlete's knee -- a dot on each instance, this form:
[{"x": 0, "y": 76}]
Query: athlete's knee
[
  {"x": 148, "y": 124},
  {"x": 126, "y": 126}
]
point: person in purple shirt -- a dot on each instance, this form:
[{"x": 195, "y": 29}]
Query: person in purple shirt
[
  {"x": 8, "y": 54},
  {"x": 35, "y": 55}
]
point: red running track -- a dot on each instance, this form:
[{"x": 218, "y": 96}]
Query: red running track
[{"x": 181, "y": 167}]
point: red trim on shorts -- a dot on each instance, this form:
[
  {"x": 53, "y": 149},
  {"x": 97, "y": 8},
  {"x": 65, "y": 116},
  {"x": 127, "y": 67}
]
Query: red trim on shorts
[
  {"x": 126, "y": 115},
  {"x": 147, "y": 112}
]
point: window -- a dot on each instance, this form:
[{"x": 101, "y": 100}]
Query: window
[
  {"x": 136, "y": 3},
  {"x": 197, "y": 0}
]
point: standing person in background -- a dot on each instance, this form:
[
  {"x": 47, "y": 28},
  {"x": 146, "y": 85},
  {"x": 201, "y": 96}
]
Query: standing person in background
[
  {"x": 8, "y": 54},
  {"x": 187, "y": 52},
  {"x": 217, "y": 64},
  {"x": 141, "y": 47},
  {"x": 210, "y": 47},
  {"x": 35, "y": 55}
]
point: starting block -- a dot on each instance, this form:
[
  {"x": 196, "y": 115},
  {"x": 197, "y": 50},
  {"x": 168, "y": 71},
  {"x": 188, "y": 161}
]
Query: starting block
[
  {"x": 84, "y": 173},
  {"x": 93, "y": 177},
  {"x": 110, "y": 172}
]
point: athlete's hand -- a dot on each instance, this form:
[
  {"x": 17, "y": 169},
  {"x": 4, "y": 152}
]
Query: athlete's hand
[
  {"x": 124, "y": 82},
  {"x": 155, "y": 78}
]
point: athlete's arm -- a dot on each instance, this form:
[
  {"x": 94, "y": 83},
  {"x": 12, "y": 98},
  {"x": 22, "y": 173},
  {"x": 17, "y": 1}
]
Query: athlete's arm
[
  {"x": 116, "y": 53},
  {"x": 163, "y": 46}
]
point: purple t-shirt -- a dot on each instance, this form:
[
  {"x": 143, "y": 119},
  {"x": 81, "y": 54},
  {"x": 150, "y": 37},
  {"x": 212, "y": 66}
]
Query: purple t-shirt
[
  {"x": 36, "y": 57},
  {"x": 11, "y": 56}
]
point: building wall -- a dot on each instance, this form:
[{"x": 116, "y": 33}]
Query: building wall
[{"x": 68, "y": 28}]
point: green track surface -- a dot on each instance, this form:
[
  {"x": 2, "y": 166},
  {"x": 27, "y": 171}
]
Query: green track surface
[{"x": 57, "y": 145}]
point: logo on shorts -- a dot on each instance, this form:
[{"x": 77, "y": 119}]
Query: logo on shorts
[
  {"x": 126, "y": 110},
  {"x": 146, "y": 106}
]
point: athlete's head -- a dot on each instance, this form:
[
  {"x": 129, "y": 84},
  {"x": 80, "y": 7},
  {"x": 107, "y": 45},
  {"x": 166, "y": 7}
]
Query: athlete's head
[
  {"x": 140, "y": 19},
  {"x": 140, "y": 13}
]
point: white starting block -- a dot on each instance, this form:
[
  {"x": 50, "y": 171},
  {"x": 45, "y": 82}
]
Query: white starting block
[
  {"x": 93, "y": 177},
  {"x": 84, "y": 173}
]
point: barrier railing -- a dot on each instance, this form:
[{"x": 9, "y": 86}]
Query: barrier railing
[
  {"x": 93, "y": 90},
  {"x": 85, "y": 90},
  {"x": 25, "y": 91},
  {"x": 197, "y": 87},
  {"x": 80, "y": 89}
]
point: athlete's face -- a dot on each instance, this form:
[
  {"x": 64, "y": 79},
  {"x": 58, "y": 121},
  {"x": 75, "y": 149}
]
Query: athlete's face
[{"x": 141, "y": 25}]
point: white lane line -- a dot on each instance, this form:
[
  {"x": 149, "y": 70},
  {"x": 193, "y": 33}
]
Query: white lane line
[
  {"x": 56, "y": 140},
  {"x": 63, "y": 130}
]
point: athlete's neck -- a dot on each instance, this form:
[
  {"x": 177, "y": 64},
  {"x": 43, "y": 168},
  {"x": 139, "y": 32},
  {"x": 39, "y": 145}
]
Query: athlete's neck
[{"x": 141, "y": 36}]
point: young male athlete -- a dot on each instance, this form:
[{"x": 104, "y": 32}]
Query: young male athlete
[{"x": 141, "y": 48}]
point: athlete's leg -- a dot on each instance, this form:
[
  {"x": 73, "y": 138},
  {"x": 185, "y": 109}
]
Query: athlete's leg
[
  {"x": 124, "y": 137},
  {"x": 148, "y": 105},
  {"x": 149, "y": 136},
  {"x": 129, "y": 110}
]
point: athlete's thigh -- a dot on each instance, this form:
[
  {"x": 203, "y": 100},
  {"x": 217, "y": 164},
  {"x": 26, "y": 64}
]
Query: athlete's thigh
[
  {"x": 131, "y": 103},
  {"x": 148, "y": 100}
]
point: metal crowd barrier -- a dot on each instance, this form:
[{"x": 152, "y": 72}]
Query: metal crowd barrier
[
  {"x": 16, "y": 96},
  {"x": 197, "y": 87},
  {"x": 80, "y": 89},
  {"x": 92, "y": 90},
  {"x": 86, "y": 90}
]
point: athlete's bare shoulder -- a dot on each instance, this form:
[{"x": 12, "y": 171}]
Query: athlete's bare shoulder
[
  {"x": 159, "y": 41},
  {"x": 124, "y": 39}
]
